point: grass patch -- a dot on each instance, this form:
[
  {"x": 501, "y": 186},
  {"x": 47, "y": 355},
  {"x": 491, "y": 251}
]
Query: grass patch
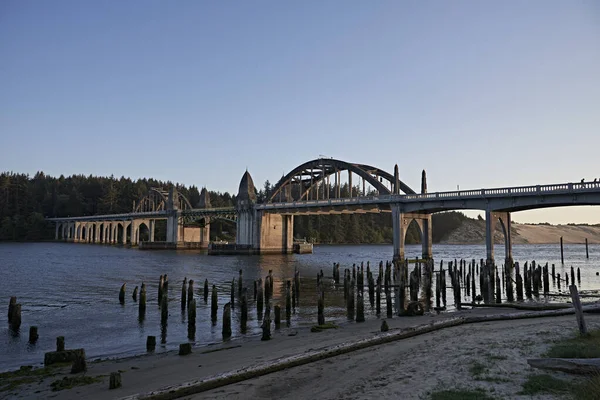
[
  {"x": 319, "y": 328},
  {"x": 69, "y": 382},
  {"x": 461, "y": 394},
  {"x": 476, "y": 369},
  {"x": 496, "y": 357},
  {"x": 492, "y": 379},
  {"x": 578, "y": 347},
  {"x": 545, "y": 383},
  {"x": 26, "y": 374},
  {"x": 589, "y": 389}
]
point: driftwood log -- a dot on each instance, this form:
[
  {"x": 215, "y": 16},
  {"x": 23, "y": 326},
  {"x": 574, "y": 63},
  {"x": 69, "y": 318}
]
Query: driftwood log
[{"x": 570, "y": 365}]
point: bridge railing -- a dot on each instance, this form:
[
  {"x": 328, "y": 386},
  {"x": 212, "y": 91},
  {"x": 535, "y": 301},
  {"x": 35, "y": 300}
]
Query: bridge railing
[{"x": 478, "y": 193}]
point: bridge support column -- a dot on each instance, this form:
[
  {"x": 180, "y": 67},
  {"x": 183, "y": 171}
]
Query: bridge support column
[
  {"x": 399, "y": 233},
  {"x": 275, "y": 233},
  {"x": 124, "y": 238},
  {"x": 401, "y": 222},
  {"x": 133, "y": 236},
  {"x": 246, "y": 228},
  {"x": 205, "y": 234},
  {"x": 151, "y": 226},
  {"x": 97, "y": 233},
  {"x": 491, "y": 219},
  {"x": 56, "y": 231},
  {"x": 173, "y": 228}
]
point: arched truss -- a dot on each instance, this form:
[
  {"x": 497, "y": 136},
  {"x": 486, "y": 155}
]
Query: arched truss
[
  {"x": 317, "y": 173},
  {"x": 207, "y": 218},
  {"x": 157, "y": 200}
]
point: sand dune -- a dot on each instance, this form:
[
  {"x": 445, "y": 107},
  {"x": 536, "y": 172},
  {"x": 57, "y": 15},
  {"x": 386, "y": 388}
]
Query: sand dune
[{"x": 473, "y": 232}]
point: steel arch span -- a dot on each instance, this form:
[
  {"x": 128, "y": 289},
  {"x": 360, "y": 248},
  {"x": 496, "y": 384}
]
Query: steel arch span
[
  {"x": 299, "y": 182},
  {"x": 157, "y": 200}
]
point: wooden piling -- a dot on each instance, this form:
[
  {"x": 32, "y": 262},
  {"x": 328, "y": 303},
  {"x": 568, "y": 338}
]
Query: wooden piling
[
  {"x": 350, "y": 300},
  {"x": 214, "y": 306},
  {"x": 244, "y": 316},
  {"x": 360, "y": 307},
  {"x": 562, "y": 255},
  {"x": 160, "y": 289},
  {"x": 266, "y": 326},
  {"x": 371, "y": 283},
  {"x": 553, "y": 273},
  {"x": 443, "y": 280},
  {"x": 546, "y": 279},
  {"x": 267, "y": 290},
  {"x": 277, "y": 310},
  {"x": 297, "y": 282},
  {"x": 378, "y": 296},
  {"x": 288, "y": 301},
  {"x": 11, "y": 305},
  {"x": 191, "y": 319},
  {"x": 572, "y": 275},
  {"x": 205, "y": 291},
  {"x": 122, "y": 294},
  {"x": 321, "y": 306},
  {"x": 438, "y": 291},
  {"x": 388, "y": 303},
  {"x": 414, "y": 285},
  {"x": 150, "y": 343},
  {"x": 60, "y": 343},
  {"x": 164, "y": 309},
  {"x": 519, "y": 280},
  {"x": 185, "y": 349},
  {"x": 498, "y": 289},
  {"x": 232, "y": 295},
  {"x": 15, "y": 320},
  {"x": 33, "y": 334},
  {"x": 558, "y": 281},
  {"x": 135, "y": 294},
  {"x": 578, "y": 310},
  {"x": 240, "y": 284},
  {"x": 115, "y": 380},
  {"x": 142, "y": 303},
  {"x": 183, "y": 293},
  {"x": 255, "y": 289},
  {"x": 346, "y": 284},
  {"x": 578, "y": 276},
  {"x": 79, "y": 363},
  {"x": 587, "y": 253},
  {"x": 226, "y": 321},
  {"x": 190, "y": 293},
  {"x": 259, "y": 299}
]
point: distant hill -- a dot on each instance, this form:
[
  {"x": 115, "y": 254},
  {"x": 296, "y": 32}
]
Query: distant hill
[{"x": 472, "y": 231}]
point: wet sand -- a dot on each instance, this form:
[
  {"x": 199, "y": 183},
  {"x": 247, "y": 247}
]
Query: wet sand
[{"x": 409, "y": 368}]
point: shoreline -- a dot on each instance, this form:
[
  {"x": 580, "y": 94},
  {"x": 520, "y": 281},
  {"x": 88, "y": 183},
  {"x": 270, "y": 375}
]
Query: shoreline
[{"x": 151, "y": 372}]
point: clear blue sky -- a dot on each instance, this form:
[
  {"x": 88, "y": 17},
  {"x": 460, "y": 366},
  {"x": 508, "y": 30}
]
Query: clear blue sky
[{"x": 479, "y": 93}]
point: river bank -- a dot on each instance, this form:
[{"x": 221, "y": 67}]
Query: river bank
[{"x": 409, "y": 368}]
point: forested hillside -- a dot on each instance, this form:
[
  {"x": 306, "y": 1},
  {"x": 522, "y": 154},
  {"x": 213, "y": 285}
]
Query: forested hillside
[{"x": 26, "y": 200}]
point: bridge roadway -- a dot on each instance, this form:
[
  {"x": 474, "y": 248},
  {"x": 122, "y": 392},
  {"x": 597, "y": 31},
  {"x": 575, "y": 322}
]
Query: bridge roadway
[
  {"x": 510, "y": 199},
  {"x": 497, "y": 199}
]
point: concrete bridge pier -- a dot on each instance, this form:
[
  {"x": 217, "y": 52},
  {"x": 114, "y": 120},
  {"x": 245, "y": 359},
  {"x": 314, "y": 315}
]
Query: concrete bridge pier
[
  {"x": 401, "y": 222},
  {"x": 259, "y": 231},
  {"x": 491, "y": 220}
]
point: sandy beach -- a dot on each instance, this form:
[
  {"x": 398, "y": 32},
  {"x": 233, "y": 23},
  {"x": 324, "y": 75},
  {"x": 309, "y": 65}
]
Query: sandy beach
[{"x": 409, "y": 368}]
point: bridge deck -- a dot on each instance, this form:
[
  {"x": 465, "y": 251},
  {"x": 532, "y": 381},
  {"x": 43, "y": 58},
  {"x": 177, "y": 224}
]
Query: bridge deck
[{"x": 510, "y": 198}]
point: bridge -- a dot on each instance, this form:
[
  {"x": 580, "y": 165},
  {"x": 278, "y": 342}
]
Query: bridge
[{"x": 316, "y": 187}]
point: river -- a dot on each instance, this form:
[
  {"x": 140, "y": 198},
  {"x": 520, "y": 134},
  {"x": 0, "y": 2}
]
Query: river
[{"x": 72, "y": 290}]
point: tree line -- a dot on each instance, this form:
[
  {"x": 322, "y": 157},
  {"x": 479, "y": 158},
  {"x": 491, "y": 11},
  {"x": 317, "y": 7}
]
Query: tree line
[{"x": 26, "y": 201}]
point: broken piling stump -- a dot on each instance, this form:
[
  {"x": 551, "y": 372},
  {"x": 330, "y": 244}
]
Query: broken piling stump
[{"x": 115, "y": 380}]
